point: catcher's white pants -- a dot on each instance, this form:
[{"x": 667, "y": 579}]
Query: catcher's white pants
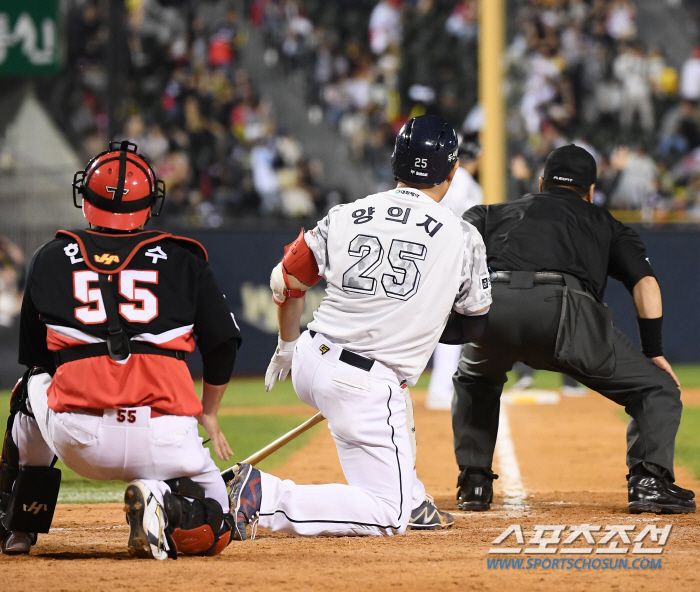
[
  {"x": 441, "y": 390},
  {"x": 366, "y": 413},
  {"x": 103, "y": 448}
]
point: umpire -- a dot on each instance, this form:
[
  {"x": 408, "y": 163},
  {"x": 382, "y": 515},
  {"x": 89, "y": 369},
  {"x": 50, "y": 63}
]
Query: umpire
[{"x": 550, "y": 254}]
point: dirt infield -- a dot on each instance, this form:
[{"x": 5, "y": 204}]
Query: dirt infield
[{"x": 571, "y": 459}]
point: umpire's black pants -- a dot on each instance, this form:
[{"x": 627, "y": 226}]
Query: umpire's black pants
[{"x": 523, "y": 327}]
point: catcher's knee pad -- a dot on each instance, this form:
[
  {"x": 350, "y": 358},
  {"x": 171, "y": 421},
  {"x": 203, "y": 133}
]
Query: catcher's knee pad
[
  {"x": 197, "y": 524},
  {"x": 28, "y": 495}
]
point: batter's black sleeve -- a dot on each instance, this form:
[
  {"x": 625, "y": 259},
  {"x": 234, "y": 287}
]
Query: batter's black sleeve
[
  {"x": 476, "y": 216},
  {"x": 33, "y": 350},
  {"x": 628, "y": 261},
  {"x": 462, "y": 329},
  {"x": 213, "y": 321}
]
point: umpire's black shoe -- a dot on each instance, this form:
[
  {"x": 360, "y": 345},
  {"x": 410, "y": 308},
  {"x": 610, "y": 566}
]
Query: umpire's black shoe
[
  {"x": 475, "y": 489},
  {"x": 650, "y": 490}
]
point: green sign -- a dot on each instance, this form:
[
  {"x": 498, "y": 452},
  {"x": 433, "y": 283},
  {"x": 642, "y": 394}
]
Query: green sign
[{"x": 29, "y": 35}]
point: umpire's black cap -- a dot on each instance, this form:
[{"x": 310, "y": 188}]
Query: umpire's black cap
[{"x": 571, "y": 165}]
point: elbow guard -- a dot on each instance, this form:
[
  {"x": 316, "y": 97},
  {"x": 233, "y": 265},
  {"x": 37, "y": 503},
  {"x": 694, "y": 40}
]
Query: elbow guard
[{"x": 299, "y": 262}]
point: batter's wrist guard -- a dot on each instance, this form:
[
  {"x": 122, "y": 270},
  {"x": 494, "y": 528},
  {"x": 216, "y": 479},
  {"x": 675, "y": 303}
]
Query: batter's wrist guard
[{"x": 651, "y": 336}]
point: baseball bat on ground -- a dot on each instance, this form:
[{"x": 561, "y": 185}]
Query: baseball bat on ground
[{"x": 229, "y": 474}]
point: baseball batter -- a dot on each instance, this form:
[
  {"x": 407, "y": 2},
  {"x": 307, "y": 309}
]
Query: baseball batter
[
  {"x": 402, "y": 272},
  {"x": 108, "y": 319}
]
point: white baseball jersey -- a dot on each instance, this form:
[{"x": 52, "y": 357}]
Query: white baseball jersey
[
  {"x": 396, "y": 264},
  {"x": 464, "y": 193}
]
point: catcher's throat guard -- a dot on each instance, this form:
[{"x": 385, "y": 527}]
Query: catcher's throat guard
[{"x": 299, "y": 262}]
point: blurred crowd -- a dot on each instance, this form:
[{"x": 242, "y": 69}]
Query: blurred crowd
[
  {"x": 577, "y": 72},
  {"x": 368, "y": 66},
  {"x": 580, "y": 73},
  {"x": 12, "y": 269},
  {"x": 191, "y": 108}
]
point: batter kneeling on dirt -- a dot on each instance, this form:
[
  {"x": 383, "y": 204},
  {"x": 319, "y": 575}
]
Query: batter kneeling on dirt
[
  {"x": 551, "y": 254},
  {"x": 402, "y": 273},
  {"x": 108, "y": 318}
]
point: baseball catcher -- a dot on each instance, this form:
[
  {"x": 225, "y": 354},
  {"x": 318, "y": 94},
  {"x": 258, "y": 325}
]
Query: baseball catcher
[{"x": 109, "y": 317}]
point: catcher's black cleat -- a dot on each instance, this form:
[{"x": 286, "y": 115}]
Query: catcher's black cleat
[
  {"x": 650, "y": 490},
  {"x": 475, "y": 489}
]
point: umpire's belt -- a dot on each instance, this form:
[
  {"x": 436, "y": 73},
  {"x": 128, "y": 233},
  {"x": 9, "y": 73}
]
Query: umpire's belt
[
  {"x": 527, "y": 279},
  {"x": 94, "y": 350},
  {"x": 352, "y": 359}
]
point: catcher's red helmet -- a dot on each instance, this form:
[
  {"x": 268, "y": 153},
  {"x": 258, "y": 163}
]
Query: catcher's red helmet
[{"x": 119, "y": 188}]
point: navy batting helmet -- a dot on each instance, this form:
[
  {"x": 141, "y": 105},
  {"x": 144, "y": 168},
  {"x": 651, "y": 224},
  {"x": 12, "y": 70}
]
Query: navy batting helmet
[{"x": 425, "y": 151}]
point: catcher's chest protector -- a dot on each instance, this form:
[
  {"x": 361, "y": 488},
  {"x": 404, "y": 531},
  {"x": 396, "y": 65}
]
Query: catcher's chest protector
[{"x": 154, "y": 281}]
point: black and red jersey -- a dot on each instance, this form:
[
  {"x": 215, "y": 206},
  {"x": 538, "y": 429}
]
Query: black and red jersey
[{"x": 166, "y": 296}]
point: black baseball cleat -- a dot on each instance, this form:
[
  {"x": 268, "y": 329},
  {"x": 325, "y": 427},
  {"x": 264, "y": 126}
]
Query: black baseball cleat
[
  {"x": 650, "y": 490},
  {"x": 475, "y": 489}
]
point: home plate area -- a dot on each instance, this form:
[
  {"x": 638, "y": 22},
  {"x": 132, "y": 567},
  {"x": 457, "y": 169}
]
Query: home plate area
[{"x": 570, "y": 472}]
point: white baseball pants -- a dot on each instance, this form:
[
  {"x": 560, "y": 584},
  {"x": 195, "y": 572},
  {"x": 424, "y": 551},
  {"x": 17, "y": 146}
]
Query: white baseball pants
[
  {"x": 366, "y": 413},
  {"x": 104, "y": 448}
]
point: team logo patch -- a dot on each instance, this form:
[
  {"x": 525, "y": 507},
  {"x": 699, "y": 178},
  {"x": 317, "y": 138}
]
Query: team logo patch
[
  {"x": 107, "y": 259},
  {"x": 485, "y": 283},
  {"x": 324, "y": 349},
  {"x": 113, "y": 190},
  {"x": 35, "y": 508}
]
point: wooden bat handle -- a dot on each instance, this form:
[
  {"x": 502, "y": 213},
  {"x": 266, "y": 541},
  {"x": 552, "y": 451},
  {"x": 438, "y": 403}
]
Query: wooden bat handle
[{"x": 229, "y": 474}]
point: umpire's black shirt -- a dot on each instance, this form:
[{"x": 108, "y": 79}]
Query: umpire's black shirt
[{"x": 559, "y": 231}]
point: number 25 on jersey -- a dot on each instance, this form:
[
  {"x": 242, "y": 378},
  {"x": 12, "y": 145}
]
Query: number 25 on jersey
[
  {"x": 142, "y": 308},
  {"x": 402, "y": 284}
]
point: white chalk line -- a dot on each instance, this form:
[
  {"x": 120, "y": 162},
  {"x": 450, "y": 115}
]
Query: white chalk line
[
  {"x": 86, "y": 495},
  {"x": 514, "y": 493},
  {"x": 120, "y": 527}
]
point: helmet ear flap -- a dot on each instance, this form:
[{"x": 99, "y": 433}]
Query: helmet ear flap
[
  {"x": 160, "y": 195},
  {"x": 78, "y": 186}
]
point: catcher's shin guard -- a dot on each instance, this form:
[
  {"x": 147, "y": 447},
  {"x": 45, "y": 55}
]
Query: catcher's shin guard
[
  {"x": 198, "y": 526},
  {"x": 28, "y": 495}
]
